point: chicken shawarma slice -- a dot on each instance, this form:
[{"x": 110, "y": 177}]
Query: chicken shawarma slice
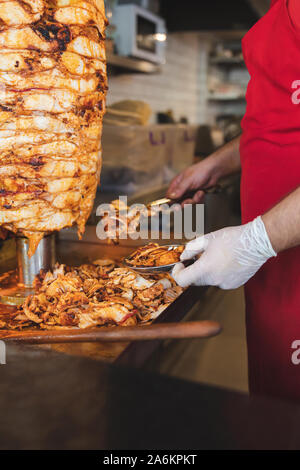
[
  {"x": 68, "y": 199},
  {"x": 87, "y": 121},
  {"x": 52, "y": 168},
  {"x": 26, "y": 212},
  {"x": 26, "y": 38},
  {"x": 40, "y": 226},
  {"x": 86, "y": 124},
  {"x": 57, "y": 147},
  {"x": 49, "y": 165},
  {"x": 14, "y": 13},
  {"x": 24, "y": 61},
  {"x": 84, "y": 162},
  {"x": 87, "y": 47},
  {"x": 80, "y": 14},
  {"x": 87, "y": 127},
  {"x": 50, "y": 185},
  {"x": 50, "y": 79},
  {"x": 75, "y": 194},
  {"x": 78, "y": 65},
  {"x": 55, "y": 101},
  {"x": 13, "y": 141},
  {"x": 60, "y": 101},
  {"x": 35, "y": 6},
  {"x": 89, "y": 4},
  {"x": 35, "y": 228},
  {"x": 8, "y": 121},
  {"x": 51, "y": 101}
]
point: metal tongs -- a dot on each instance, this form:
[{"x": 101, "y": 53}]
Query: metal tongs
[{"x": 159, "y": 202}]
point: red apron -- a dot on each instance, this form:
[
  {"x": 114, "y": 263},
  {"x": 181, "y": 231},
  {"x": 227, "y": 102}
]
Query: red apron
[{"x": 270, "y": 157}]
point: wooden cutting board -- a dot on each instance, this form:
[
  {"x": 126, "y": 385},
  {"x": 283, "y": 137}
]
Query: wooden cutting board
[{"x": 200, "y": 329}]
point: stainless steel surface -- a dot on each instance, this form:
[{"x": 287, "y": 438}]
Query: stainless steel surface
[
  {"x": 16, "y": 296},
  {"x": 17, "y": 285},
  {"x": 10, "y": 292},
  {"x": 149, "y": 270},
  {"x": 156, "y": 269},
  {"x": 43, "y": 258}
]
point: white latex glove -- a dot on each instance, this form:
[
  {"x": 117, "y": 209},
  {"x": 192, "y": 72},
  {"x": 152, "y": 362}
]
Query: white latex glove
[{"x": 230, "y": 257}]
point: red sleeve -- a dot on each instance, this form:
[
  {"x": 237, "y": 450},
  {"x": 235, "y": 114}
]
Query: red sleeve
[{"x": 294, "y": 11}]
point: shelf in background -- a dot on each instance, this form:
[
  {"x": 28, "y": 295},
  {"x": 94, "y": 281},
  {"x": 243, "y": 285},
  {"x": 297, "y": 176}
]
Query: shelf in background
[
  {"x": 228, "y": 61},
  {"x": 220, "y": 97},
  {"x": 129, "y": 65}
]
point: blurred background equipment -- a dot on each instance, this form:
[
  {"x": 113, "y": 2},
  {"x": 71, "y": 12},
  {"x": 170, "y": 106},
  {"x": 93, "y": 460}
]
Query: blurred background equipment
[
  {"x": 128, "y": 112},
  {"x": 140, "y": 33},
  {"x": 138, "y": 159}
]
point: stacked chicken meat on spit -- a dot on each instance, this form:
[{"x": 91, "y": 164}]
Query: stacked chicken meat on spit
[{"x": 52, "y": 97}]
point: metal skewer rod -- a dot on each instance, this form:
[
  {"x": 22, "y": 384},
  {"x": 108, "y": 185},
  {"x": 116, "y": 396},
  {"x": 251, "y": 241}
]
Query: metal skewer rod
[{"x": 20, "y": 283}]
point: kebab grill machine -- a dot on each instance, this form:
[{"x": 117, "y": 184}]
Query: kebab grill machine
[{"x": 53, "y": 84}]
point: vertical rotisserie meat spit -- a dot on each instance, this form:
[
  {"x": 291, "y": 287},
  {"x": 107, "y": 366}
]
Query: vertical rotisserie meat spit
[{"x": 52, "y": 99}]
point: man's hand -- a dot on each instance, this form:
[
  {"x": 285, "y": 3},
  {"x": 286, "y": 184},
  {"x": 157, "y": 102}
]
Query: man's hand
[
  {"x": 203, "y": 175},
  {"x": 230, "y": 257}
]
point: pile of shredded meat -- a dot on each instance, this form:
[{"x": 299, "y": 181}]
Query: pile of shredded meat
[
  {"x": 94, "y": 295},
  {"x": 154, "y": 254},
  {"x": 52, "y": 100}
]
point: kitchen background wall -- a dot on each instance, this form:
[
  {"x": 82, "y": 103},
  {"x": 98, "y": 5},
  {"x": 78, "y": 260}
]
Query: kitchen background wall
[{"x": 181, "y": 85}]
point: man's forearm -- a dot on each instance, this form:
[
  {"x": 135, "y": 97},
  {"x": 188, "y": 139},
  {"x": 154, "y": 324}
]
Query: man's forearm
[
  {"x": 227, "y": 158},
  {"x": 283, "y": 222}
]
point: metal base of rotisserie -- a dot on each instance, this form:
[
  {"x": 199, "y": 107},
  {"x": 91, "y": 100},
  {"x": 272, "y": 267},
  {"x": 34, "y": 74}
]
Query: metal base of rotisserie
[
  {"x": 11, "y": 292},
  {"x": 15, "y": 286}
]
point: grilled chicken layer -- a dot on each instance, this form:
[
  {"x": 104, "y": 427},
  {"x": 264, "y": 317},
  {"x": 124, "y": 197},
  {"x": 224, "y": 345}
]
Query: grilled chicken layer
[{"x": 53, "y": 84}]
